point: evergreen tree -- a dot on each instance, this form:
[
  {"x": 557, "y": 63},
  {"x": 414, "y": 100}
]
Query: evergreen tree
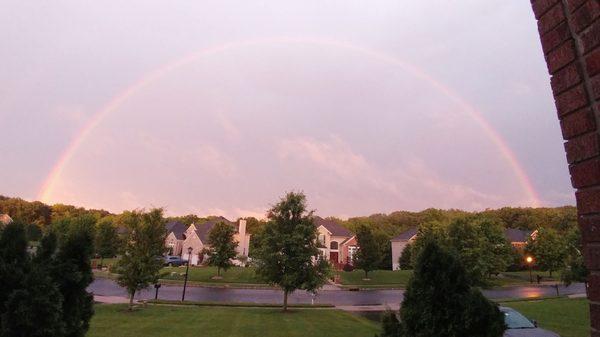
[
  {"x": 288, "y": 255},
  {"x": 222, "y": 247},
  {"x": 368, "y": 254},
  {"x": 139, "y": 266},
  {"x": 72, "y": 272},
  {"x": 439, "y": 300},
  {"x": 405, "y": 259}
]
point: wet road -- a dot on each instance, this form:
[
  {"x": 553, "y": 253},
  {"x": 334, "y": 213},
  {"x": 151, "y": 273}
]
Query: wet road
[{"x": 108, "y": 287}]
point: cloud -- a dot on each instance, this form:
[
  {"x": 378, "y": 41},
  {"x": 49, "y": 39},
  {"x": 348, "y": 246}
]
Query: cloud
[
  {"x": 411, "y": 185},
  {"x": 231, "y": 130}
]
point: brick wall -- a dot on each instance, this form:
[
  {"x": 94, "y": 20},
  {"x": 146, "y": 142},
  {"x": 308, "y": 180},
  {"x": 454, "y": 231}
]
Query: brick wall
[{"x": 570, "y": 35}]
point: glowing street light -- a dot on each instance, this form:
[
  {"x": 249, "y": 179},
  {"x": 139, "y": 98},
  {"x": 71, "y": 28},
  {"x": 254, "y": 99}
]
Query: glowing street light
[{"x": 529, "y": 260}]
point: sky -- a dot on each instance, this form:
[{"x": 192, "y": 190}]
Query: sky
[{"x": 220, "y": 107}]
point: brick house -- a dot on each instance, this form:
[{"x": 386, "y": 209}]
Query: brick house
[
  {"x": 196, "y": 237},
  {"x": 337, "y": 243}
]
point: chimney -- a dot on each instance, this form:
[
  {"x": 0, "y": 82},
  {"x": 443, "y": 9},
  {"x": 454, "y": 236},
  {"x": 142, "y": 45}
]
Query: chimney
[{"x": 242, "y": 231}]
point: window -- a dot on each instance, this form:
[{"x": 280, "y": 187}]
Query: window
[
  {"x": 322, "y": 239},
  {"x": 351, "y": 252},
  {"x": 333, "y": 245}
]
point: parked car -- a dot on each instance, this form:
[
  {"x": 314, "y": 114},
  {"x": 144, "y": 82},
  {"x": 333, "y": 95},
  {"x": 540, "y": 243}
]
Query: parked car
[
  {"x": 520, "y": 326},
  {"x": 174, "y": 261}
]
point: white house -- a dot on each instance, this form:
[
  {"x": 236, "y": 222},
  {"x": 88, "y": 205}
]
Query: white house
[
  {"x": 196, "y": 237},
  {"x": 399, "y": 243}
]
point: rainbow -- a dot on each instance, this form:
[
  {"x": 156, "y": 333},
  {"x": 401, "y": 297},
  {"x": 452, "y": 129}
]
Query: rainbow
[{"x": 49, "y": 184}]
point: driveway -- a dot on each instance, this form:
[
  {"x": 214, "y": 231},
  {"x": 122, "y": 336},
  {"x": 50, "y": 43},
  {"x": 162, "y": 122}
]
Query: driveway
[{"x": 107, "y": 287}]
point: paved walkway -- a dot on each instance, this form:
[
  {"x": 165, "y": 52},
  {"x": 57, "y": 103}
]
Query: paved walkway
[{"x": 111, "y": 299}]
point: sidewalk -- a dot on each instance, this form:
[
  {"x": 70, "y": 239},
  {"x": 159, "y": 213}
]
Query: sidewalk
[{"x": 112, "y": 299}]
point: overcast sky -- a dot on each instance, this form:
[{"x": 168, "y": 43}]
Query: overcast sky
[{"x": 219, "y": 107}]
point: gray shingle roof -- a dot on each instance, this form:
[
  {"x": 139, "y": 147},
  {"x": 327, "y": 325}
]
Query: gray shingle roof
[
  {"x": 516, "y": 235},
  {"x": 177, "y": 228},
  {"x": 204, "y": 228},
  {"x": 406, "y": 235},
  {"x": 333, "y": 227}
]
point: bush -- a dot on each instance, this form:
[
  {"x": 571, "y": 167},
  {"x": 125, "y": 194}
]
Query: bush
[{"x": 348, "y": 267}]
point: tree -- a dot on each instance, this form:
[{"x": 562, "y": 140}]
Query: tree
[
  {"x": 439, "y": 300},
  {"x": 222, "y": 247},
  {"x": 140, "y": 264},
  {"x": 288, "y": 255},
  {"x": 574, "y": 269},
  {"x": 27, "y": 290},
  {"x": 107, "y": 239},
  {"x": 368, "y": 255},
  {"x": 549, "y": 250},
  {"x": 405, "y": 259},
  {"x": 72, "y": 272}
]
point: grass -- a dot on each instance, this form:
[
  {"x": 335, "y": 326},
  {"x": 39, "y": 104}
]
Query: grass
[
  {"x": 515, "y": 278},
  {"x": 567, "y": 317},
  {"x": 377, "y": 278},
  {"x": 184, "y": 321},
  {"x": 240, "y": 304},
  {"x": 109, "y": 262},
  {"x": 204, "y": 275}
]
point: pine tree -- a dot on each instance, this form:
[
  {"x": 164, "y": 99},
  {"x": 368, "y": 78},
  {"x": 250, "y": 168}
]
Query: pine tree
[{"x": 439, "y": 300}]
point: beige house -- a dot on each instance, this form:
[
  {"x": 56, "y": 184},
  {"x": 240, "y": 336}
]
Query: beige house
[
  {"x": 196, "y": 237},
  {"x": 337, "y": 243},
  {"x": 5, "y": 219},
  {"x": 175, "y": 237},
  {"x": 399, "y": 243}
]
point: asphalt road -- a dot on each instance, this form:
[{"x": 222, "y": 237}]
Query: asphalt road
[{"x": 106, "y": 287}]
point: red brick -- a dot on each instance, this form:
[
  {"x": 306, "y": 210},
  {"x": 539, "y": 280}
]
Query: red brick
[
  {"x": 590, "y": 38},
  {"x": 588, "y": 202},
  {"x": 590, "y": 231},
  {"x": 595, "y": 334},
  {"x": 572, "y": 5},
  {"x": 595, "y": 84},
  {"x": 586, "y": 173},
  {"x": 594, "y": 287},
  {"x": 565, "y": 78},
  {"x": 571, "y": 100},
  {"x": 577, "y": 123},
  {"x": 585, "y": 15},
  {"x": 540, "y": 7},
  {"x": 561, "y": 56},
  {"x": 582, "y": 148},
  {"x": 555, "y": 37},
  {"x": 592, "y": 63},
  {"x": 551, "y": 19},
  {"x": 591, "y": 254}
]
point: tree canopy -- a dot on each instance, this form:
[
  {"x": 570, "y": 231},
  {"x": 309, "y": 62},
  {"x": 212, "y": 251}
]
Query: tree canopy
[
  {"x": 288, "y": 255},
  {"x": 222, "y": 247}
]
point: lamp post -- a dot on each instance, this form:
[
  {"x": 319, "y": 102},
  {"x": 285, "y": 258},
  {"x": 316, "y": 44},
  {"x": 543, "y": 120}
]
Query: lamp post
[
  {"x": 187, "y": 269},
  {"x": 529, "y": 260}
]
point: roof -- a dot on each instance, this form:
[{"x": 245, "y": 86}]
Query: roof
[
  {"x": 516, "y": 235},
  {"x": 333, "y": 227},
  {"x": 177, "y": 228},
  {"x": 203, "y": 229},
  {"x": 406, "y": 235}
]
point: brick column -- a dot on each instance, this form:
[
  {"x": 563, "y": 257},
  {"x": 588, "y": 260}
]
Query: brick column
[{"x": 570, "y": 34}]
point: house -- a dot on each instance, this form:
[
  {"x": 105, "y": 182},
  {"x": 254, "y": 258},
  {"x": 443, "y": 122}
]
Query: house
[
  {"x": 5, "y": 219},
  {"x": 518, "y": 238},
  {"x": 337, "y": 243},
  {"x": 399, "y": 243},
  {"x": 196, "y": 237},
  {"x": 175, "y": 237}
]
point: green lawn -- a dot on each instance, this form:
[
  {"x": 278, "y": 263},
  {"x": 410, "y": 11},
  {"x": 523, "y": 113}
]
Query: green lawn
[
  {"x": 153, "y": 321},
  {"x": 567, "y": 317},
  {"x": 378, "y": 278},
  {"x": 234, "y": 275}
]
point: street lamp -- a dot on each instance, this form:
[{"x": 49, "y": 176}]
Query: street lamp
[
  {"x": 529, "y": 260},
  {"x": 187, "y": 269}
]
